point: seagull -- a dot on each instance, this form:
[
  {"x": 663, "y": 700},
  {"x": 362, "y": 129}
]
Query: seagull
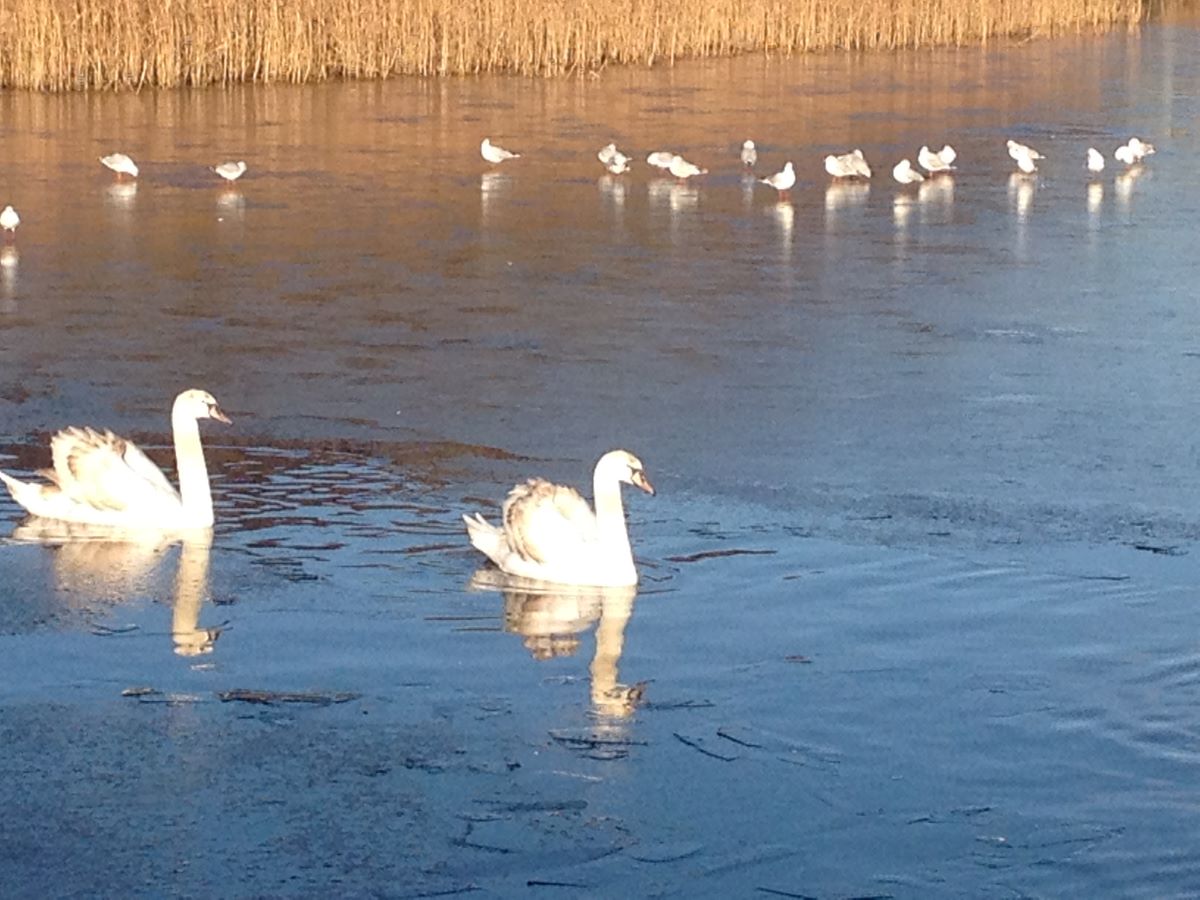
[
  {"x": 230, "y": 171},
  {"x": 1140, "y": 148},
  {"x": 1024, "y": 156},
  {"x": 1095, "y": 160},
  {"x": 904, "y": 173},
  {"x": 848, "y": 165},
  {"x": 682, "y": 169},
  {"x": 940, "y": 161},
  {"x": 494, "y": 154},
  {"x": 750, "y": 156},
  {"x": 782, "y": 180},
  {"x": 121, "y": 164},
  {"x": 660, "y": 159},
  {"x": 613, "y": 159},
  {"x": 9, "y": 220},
  {"x": 1133, "y": 152}
]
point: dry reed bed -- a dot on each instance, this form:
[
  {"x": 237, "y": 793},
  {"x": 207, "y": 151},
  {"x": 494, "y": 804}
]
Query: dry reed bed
[{"x": 81, "y": 44}]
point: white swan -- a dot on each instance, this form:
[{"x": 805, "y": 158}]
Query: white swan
[
  {"x": 749, "y": 154},
  {"x": 121, "y": 164},
  {"x": 904, "y": 173},
  {"x": 941, "y": 161},
  {"x": 682, "y": 169},
  {"x": 551, "y": 534},
  {"x": 102, "y": 479},
  {"x": 660, "y": 159},
  {"x": 848, "y": 165},
  {"x": 783, "y": 180},
  {"x": 1095, "y": 160},
  {"x": 231, "y": 171},
  {"x": 9, "y": 220},
  {"x": 494, "y": 154}
]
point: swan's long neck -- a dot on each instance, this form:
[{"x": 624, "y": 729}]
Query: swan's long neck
[
  {"x": 194, "y": 493},
  {"x": 610, "y": 515}
]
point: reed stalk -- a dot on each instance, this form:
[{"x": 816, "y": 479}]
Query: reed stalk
[{"x": 58, "y": 45}]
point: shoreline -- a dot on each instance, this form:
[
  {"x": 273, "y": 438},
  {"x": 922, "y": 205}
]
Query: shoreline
[{"x": 125, "y": 45}]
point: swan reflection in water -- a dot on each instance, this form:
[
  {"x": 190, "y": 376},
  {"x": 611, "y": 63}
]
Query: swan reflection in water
[
  {"x": 117, "y": 564},
  {"x": 551, "y": 619}
]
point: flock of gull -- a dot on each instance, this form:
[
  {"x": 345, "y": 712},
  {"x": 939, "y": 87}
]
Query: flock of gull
[{"x": 842, "y": 166}]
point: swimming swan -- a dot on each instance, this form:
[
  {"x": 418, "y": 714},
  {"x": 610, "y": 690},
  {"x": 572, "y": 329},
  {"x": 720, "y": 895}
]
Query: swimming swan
[
  {"x": 102, "y": 479},
  {"x": 551, "y": 534}
]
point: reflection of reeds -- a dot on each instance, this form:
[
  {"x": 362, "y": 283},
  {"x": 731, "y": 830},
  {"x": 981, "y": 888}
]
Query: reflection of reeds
[{"x": 67, "y": 44}]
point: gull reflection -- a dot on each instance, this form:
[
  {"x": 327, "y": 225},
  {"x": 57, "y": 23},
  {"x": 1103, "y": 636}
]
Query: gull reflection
[
  {"x": 121, "y": 194},
  {"x": 551, "y": 619},
  {"x": 493, "y": 187},
  {"x": 748, "y": 182},
  {"x": 613, "y": 190},
  {"x": 784, "y": 215},
  {"x": 1095, "y": 197},
  {"x": 9, "y": 258},
  {"x": 1123, "y": 186},
  {"x": 1020, "y": 193},
  {"x": 936, "y": 196},
  {"x": 902, "y": 211},
  {"x": 116, "y": 564},
  {"x": 231, "y": 203},
  {"x": 845, "y": 195}
]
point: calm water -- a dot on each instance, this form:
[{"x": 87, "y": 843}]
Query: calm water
[{"x": 919, "y": 609}]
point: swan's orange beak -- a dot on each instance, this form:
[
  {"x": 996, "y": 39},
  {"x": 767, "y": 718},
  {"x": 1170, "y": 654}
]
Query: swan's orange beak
[
  {"x": 214, "y": 412},
  {"x": 640, "y": 480}
]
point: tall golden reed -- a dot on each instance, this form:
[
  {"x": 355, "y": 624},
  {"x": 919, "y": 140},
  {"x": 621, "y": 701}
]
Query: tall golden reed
[{"x": 85, "y": 44}]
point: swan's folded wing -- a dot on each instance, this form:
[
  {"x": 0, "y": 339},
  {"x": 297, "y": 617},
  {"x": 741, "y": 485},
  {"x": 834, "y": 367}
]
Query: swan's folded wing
[
  {"x": 106, "y": 471},
  {"x": 547, "y": 522}
]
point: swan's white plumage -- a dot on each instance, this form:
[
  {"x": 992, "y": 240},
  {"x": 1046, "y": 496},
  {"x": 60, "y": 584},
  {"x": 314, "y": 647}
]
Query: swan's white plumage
[
  {"x": 9, "y": 220},
  {"x": 660, "y": 159},
  {"x": 550, "y": 533},
  {"x": 99, "y": 478},
  {"x": 1095, "y": 160},
  {"x": 749, "y": 154}
]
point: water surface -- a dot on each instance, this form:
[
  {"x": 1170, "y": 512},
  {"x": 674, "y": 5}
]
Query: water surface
[{"x": 918, "y": 611}]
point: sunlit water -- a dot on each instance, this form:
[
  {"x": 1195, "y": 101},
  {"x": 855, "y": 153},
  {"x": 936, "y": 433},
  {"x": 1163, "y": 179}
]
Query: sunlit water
[{"x": 918, "y": 613}]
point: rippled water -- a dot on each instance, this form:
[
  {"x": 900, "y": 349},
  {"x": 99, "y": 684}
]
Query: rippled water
[{"x": 918, "y": 611}]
